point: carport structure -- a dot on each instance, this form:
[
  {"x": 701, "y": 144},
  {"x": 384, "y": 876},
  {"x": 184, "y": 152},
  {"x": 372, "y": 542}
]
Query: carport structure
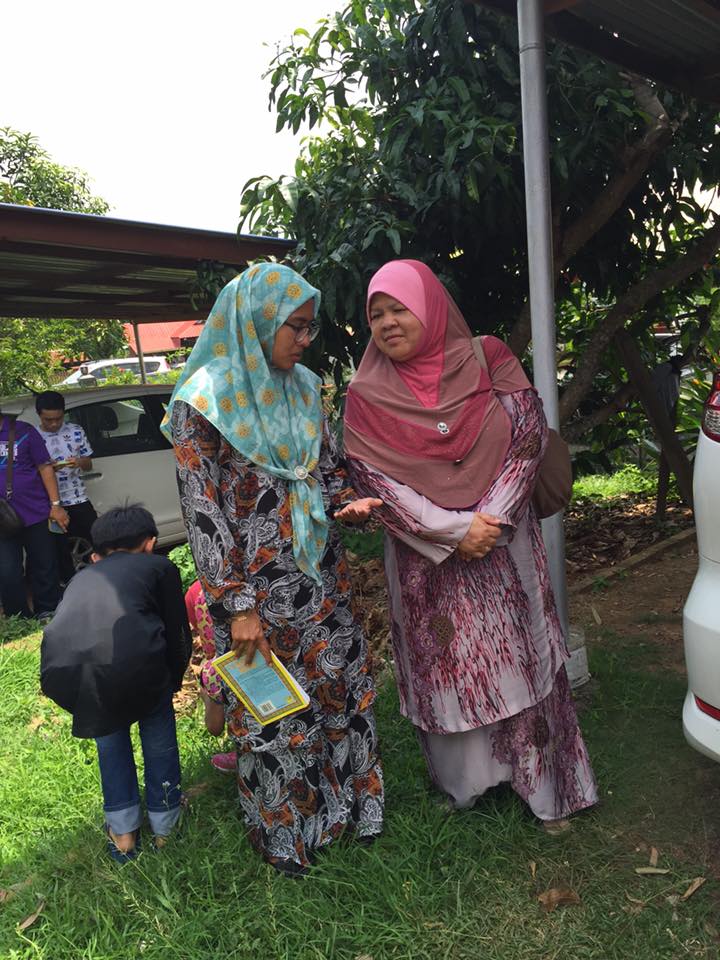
[
  {"x": 81, "y": 266},
  {"x": 674, "y": 42}
]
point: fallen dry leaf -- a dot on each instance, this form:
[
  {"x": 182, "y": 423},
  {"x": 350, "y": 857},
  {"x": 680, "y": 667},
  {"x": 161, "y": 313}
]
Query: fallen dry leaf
[
  {"x": 636, "y": 906},
  {"x": 558, "y": 897},
  {"x": 35, "y": 723},
  {"x": 196, "y": 789},
  {"x": 29, "y": 921},
  {"x": 533, "y": 868},
  {"x": 16, "y": 888},
  {"x": 650, "y": 871},
  {"x": 653, "y": 857},
  {"x": 634, "y": 900},
  {"x": 596, "y": 616},
  {"x": 693, "y": 888}
]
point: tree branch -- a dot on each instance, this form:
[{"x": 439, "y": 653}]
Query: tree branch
[
  {"x": 703, "y": 327},
  {"x": 657, "y": 415},
  {"x": 636, "y": 162},
  {"x": 575, "y": 430},
  {"x": 634, "y": 299},
  {"x": 625, "y": 393}
]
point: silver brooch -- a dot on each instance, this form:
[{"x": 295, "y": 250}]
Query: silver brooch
[
  {"x": 301, "y": 473},
  {"x": 443, "y": 427}
]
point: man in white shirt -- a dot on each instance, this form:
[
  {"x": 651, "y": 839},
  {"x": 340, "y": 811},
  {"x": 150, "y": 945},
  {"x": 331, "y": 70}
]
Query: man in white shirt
[{"x": 70, "y": 455}]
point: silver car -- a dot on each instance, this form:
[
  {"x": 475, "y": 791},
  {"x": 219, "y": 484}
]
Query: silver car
[{"x": 132, "y": 460}]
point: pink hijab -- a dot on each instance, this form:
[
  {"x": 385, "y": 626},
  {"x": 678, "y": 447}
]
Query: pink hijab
[
  {"x": 433, "y": 422},
  {"x": 414, "y": 288}
]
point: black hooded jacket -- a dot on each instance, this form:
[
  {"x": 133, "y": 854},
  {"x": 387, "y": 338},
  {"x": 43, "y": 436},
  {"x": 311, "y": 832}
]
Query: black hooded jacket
[{"x": 118, "y": 644}]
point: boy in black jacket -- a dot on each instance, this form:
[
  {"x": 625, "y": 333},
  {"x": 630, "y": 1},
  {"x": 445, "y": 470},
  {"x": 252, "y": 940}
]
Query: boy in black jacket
[{"x": 114, "y": 654}]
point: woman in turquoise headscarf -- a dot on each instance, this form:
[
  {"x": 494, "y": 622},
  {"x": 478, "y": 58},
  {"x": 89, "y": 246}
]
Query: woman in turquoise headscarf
[{"x": 259, "y": 478}]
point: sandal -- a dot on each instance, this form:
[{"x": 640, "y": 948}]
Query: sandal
[
  {"x": 118, "y": 855},
  {"x": 225, "y": 762},
  {"x": 555, "y": 828}
]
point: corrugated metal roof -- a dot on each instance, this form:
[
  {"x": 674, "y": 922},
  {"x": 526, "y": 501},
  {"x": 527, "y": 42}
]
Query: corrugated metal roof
[
  {"x": 674, "y": 29},
  {"x": 675, "y": 42},
  {"x": 55, "y": 264}
]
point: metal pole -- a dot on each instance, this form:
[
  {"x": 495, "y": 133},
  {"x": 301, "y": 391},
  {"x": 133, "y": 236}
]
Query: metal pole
[
  {"x": 141, "y": 355},
  {"x": 531, "y": 37}
]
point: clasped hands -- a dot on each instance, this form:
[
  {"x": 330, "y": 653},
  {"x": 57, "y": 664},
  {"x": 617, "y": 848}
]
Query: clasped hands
[{"x": 481, "y": 537}]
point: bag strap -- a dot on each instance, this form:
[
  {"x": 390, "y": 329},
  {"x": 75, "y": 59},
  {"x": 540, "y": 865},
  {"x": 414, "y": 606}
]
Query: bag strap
[
  {"x": 10, "y": 455},
  {"x": 480, "y": 353}
]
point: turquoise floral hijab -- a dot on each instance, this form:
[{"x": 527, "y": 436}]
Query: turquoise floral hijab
[{"x": 272, "y": 417}]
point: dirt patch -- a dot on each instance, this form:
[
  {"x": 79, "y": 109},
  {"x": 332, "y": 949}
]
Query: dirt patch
[
  {"x": 604, "y": 533},
  {"x": 643, "y": 605}
]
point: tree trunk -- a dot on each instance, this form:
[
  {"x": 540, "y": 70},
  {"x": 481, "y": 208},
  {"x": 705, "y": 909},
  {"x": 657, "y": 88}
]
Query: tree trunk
[
  {"x": 656, "y": 413},
  {"x": 632, "y": 302}
]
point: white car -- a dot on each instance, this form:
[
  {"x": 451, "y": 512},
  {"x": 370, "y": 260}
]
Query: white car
[
  {"x": 701, "y": 616},
  {"x": 99, "y": 370},
  {"x": 132, "y": 460}
]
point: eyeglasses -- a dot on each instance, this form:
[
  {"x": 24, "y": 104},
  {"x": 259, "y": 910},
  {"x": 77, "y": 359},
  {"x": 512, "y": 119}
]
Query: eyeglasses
[{"x": 301, "y": 333}]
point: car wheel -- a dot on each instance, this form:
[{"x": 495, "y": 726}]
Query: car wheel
[{"x": 80, "y": 550}]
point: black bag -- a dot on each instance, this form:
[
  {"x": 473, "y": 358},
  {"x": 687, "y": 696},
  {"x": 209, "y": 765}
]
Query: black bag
[
  {"x": 553, "y": 483},
  {"x": 10, "y": 522}
]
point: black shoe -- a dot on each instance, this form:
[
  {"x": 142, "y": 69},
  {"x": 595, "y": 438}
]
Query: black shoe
[{"x": 290, "y": 869}]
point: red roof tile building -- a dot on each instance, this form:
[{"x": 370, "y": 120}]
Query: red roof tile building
[{"x": 163, "y": 337}]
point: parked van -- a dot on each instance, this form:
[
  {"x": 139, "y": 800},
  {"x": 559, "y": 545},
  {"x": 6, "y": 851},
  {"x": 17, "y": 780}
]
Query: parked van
[{"x": 99, "y": 370}]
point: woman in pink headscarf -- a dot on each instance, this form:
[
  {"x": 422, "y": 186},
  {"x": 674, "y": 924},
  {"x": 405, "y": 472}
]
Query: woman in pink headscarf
[{"x": 452, "y": 450}]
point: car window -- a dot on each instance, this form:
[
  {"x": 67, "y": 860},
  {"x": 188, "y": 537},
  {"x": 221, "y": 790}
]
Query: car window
[
  {"x": 117, "y": 427},
  {"x": 152, "y": 366},
  {"x": 131, "y": 366}
]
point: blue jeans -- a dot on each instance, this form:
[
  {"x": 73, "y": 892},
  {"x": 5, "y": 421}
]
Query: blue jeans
[
  {"x": 161, "y": 758},
  {"x": 39, "y": 545}
]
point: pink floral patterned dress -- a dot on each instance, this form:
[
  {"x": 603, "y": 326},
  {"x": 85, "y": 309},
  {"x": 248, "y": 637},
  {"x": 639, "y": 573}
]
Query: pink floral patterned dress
[{"x": 478, "y": 645}]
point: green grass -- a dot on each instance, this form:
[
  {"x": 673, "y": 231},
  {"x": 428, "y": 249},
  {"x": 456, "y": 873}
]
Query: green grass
[
  {"x": 365, "y": 544},
  {"x": 609, "y": 486},
  {"x": 459, "y": 888}
]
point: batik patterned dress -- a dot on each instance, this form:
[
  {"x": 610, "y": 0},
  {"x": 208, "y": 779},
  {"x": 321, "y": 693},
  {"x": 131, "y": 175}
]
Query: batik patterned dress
[
  {"x": 478, "y": 646},
  {"x": 305, "y": 779}
]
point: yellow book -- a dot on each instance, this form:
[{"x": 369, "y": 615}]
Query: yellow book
[{"x": 268, "y": 691}]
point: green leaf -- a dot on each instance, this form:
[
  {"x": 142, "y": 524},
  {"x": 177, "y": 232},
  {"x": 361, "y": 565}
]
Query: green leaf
[
  {"x": 460, "y": 87},
  {"x": 394, "y": 237}
]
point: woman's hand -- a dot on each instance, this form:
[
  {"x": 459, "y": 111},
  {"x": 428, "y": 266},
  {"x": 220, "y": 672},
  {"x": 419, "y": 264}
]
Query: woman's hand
[
  {"x": 247, "y": 636},
  {"x": 358, "y": 511},
  {"x": 480, "y": 538}
]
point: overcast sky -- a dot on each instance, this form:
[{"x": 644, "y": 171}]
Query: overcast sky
[{"x": 162, "y": 103}]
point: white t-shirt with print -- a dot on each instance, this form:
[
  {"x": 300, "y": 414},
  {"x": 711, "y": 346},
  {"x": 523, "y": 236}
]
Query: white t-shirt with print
[{"x": 69, "y": 441}]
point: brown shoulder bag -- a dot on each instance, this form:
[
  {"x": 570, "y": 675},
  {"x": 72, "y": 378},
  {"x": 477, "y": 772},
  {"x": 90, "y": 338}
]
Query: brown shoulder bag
[{"x": 553, "y": 483}]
